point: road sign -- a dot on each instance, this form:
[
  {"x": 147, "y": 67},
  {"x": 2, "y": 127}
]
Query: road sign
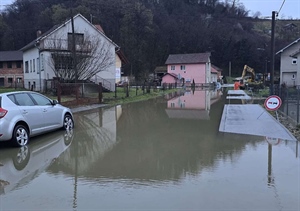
[
  {"x": 272, "y": 103},
  {"x": 273, "y": 141}
]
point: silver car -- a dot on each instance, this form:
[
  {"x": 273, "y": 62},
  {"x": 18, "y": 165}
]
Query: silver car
[{"x": 24, "y": 114}]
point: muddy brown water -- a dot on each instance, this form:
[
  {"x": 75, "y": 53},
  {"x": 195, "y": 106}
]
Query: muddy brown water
[{"x": 162, "y": 154}]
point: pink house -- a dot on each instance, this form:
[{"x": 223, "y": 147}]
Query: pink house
[
  {"x": 216, "y": 74},
  {"x": 186, "y": 68}
]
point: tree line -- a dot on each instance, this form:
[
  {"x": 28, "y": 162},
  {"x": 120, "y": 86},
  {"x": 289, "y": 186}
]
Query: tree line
[{"x": 149, "y": 30}]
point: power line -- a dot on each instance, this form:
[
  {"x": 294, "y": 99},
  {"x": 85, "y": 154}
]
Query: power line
[{"x": 281, "y": 7}]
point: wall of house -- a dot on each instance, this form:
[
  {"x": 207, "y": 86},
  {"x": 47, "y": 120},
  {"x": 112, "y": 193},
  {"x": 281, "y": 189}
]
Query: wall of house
[
  {"x": 11, "y": 77},
  {"x": 214, "y": 77},
  {"x": 118, "y": 68},
  {"x": 196, "y": 72},
  {"x": 38, "y": 62},
  {"x": 290, "y": 67},
  {"x": 58, "y": 39},
  {"x": 168, "y": 79}
]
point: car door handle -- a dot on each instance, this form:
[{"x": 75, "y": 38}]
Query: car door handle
[
  {"x": 45, "y": 110},
  {"x": 25, "y": 112}
]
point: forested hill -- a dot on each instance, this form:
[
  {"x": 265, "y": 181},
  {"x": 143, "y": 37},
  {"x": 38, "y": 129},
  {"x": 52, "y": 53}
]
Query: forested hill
[{"x": 149, "y": 30}]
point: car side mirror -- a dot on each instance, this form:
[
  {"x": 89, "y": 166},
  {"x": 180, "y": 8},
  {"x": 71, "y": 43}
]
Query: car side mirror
[{"x": 54, "y": 102}]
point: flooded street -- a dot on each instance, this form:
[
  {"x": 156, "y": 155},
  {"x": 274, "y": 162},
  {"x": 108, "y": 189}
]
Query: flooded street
[{"x": 161, "y": 154}]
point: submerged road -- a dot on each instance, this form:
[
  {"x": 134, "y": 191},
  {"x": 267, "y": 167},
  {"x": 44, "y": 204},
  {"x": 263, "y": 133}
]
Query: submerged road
[{"x": 251, "y": 119}]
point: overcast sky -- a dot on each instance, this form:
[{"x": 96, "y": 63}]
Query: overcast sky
[{"x": 290, "y": 9}]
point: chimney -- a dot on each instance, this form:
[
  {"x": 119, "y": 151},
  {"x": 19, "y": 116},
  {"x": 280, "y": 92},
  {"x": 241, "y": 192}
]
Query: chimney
[{"x": 38, "y": 33}]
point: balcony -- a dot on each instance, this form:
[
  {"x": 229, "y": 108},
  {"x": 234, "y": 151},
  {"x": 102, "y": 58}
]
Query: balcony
[{"x": 65, "y": 45}]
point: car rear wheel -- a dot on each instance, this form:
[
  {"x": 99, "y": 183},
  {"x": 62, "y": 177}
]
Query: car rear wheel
[
  {"x": 20, "y": 136},
  {"x": 68, "y": 122}
]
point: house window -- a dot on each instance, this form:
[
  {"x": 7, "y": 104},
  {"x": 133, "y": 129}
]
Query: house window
[
  {"x": 294, "y": 61},
  {"x": 62, "y": 61},
  {"x": 79, "y": 38},
  {"x": 293, "y": 77},
  {"x": 42, "y": 62},
  {"x": 172, "y": 67},
  {"x": 10, "y": 80},
  {"x": 33, "y": 64},
  {"x": 30, "y": 66},
  {"x": 9, "y": 64},
  {"x": 26, "y": 67},
  {"x": 19, "y": 64},
  {"x": 1, "y": 65},
  {"x": 182, "y": 67}
]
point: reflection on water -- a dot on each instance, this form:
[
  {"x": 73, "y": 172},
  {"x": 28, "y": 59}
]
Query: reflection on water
[
  {"x": 127, "y": 157},
  {"x": 21, "y": 165},
  {"x": 192, "y": 104}
]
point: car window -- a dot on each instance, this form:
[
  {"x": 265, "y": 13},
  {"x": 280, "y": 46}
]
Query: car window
[
  {"x": 12, "y": 98},
  {"x": 23, "y": 99},
  {"x": 41, "y": 100}
]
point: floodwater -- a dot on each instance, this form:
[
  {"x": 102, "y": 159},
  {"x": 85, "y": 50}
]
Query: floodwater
[{"x": 162, "y": 154}]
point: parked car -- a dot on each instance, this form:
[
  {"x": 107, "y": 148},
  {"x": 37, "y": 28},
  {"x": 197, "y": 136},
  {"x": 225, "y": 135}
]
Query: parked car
[{"x": 25, "y": 114}]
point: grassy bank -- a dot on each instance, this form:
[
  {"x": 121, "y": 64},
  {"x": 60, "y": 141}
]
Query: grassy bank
[{"x": 134, "y": 95}]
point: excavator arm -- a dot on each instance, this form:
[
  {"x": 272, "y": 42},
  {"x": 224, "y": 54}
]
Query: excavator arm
[{"x": 250, "y": 70}]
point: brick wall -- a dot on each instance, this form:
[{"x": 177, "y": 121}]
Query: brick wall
[{"x": 10, "y": 76}]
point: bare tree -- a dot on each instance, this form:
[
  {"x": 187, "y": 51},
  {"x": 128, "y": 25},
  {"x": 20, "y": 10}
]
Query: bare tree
[{"x": 93, "y": 55}]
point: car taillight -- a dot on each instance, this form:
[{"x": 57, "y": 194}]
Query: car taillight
[{"x": 3, "y": 112}]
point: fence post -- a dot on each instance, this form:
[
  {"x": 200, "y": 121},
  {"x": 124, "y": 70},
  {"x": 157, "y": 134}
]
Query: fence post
[
  {"x": 127, "y": 90},
  {"x": 58, "y": 92},
  {"x": 287, "y": 102},
  {"x": 136, "y": 89},
  {"x": 297, "y": 105},
  {"x": 115, "y": 90},
  {"x": 148, "y": 87},
  {"x": 100, "y": 95},
  {"x": 82, "y": 90}
]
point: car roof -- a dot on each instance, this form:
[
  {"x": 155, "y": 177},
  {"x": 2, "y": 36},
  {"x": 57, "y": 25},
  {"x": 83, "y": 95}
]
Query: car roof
[{"x": 16, "y": 92}]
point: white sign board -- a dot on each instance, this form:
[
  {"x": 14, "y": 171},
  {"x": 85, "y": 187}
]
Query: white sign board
[{"x": 272, "y": 103}]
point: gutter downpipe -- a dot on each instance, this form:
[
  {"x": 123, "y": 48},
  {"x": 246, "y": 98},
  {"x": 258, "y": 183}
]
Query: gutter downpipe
[{"x": 37, "y": 45}]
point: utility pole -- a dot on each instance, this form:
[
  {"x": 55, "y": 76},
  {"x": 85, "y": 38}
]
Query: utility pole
[
  {"x": 74, "y": 47},
  {"x": 272, "y": 54},
  {"x": 230, "y": 69}
]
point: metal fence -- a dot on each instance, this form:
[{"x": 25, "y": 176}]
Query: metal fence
[
  {"x": 290, "y": 102},
  {"x": 136, "y": 89},
  {"x": 72, "y": 94}
]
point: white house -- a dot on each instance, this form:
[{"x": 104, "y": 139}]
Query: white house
[
  {"x": 289, "y": 67},
  {"x": 38, "y": 56}
]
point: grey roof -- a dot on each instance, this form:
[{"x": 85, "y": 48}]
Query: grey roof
[
  {"x": 11, "y": 56},
  {"x": 195, "y": 58},
  {"x": 57, "y": 27},
  {"x": 296, "y": 41},
  {"x": 161, "y": 69},
  {"x": 217, "y": 68}
]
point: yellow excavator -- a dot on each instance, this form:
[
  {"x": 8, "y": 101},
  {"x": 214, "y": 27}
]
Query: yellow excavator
[
  {"x": 250, "y": 70},
  {"x": 251, "y": 80}
]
